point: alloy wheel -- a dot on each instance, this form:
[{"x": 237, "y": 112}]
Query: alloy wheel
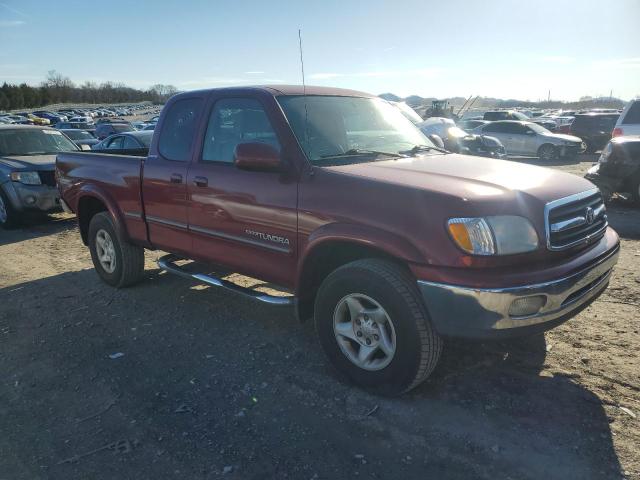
[
  {"x": 106, "y": 251},
  {"x": 364, "y": 332}
]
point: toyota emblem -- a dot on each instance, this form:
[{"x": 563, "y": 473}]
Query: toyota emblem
[{"x": 589, "y": 215}]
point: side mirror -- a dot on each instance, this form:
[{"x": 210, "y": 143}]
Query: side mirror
[
  {"x": 85, "y": 147},
  {"x": 530, "y": 132},
  {"x": 257, "y": 156}
]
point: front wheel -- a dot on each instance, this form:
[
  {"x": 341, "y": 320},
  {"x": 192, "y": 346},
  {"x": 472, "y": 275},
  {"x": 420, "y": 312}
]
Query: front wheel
[
  {"x": 547, "y": 152},
  {"x": 8, "y": 216},
  {"x": 374, "y": 328},
  {"x": 119, "y": 264}
]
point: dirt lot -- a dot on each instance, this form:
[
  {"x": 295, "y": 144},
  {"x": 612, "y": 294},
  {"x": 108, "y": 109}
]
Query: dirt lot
[{"x": 173, "y": 380}]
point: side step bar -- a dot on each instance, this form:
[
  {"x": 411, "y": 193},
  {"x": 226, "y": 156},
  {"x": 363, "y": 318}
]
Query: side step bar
[{"x": 168, "y": 263}]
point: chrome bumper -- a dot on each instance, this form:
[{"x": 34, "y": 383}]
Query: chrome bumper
[{"x": 479, "y": 313}]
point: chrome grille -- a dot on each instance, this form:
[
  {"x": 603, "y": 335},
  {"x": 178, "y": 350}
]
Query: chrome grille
[{"x": 575, "y": 220}]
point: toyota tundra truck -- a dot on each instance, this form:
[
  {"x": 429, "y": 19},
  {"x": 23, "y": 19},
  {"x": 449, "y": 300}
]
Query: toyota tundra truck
[{"x": 389, "y": 243}]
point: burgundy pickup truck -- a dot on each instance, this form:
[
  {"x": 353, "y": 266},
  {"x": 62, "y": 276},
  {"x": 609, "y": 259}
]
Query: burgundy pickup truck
[{"x": 388, "y": 242}]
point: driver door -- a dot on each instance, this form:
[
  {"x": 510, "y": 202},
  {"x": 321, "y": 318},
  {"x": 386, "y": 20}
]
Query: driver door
[{"x": 242, "y": 220}]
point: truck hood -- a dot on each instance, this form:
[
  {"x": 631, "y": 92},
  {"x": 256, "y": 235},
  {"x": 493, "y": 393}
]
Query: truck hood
[
  {"x": 26, "y": 162},
  {"x": 469, "y": 178}
]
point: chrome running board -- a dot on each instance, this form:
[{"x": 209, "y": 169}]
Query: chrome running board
[{"x": 167, "y": 263}]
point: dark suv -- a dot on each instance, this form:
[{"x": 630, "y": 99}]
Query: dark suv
[
  {"x": 594, "y": 129},
  {"x": 103, "y": 130}
]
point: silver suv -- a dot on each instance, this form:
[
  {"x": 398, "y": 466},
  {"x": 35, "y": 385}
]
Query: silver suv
[{"x": 531, "y": 139}]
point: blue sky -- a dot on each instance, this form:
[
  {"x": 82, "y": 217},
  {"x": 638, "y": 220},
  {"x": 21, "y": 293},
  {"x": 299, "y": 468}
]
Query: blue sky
[{"x": 505, "y": 49}]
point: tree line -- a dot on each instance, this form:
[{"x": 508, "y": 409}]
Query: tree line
[{"x": 60, "y": 89}]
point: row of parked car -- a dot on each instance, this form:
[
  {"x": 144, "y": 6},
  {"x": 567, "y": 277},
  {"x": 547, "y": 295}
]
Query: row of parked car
[
  {"x": 27, "y": 153},
  {"x": 77, "y": 117},
  {"x": 500, "y": 133}
]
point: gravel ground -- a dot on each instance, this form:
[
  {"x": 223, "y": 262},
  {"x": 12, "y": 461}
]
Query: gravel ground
[{"x": 169, "y": 379}]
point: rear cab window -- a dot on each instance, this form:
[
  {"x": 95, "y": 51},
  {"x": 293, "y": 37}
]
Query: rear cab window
[{"x": 179, "y": 129}]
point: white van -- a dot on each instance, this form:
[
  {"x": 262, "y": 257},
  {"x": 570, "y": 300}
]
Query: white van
[{"x": 629, "y": 121}]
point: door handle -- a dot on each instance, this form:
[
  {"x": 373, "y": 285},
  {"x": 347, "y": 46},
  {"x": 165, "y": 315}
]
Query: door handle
[
  {"x": 176, "y": 178},
  {"x": 200, "y": 181}
]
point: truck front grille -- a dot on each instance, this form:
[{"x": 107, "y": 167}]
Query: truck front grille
[
  {"x": 575, "y": 220},
  {"x": 47, "y": 177}
]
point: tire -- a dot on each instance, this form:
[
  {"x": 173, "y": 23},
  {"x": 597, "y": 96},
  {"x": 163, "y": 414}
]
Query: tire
[
  {"x": 123, "y": 264},
  {"x": 635, "y": 188},
  {"x": 589, "y": 148},
  {"x": 547, "y": 152},
  {"x": 8, "y": 216},
  {"x": 380, "y": 287}
]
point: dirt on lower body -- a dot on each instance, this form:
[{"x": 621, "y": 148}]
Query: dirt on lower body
[{"x": 170, "y": 379}]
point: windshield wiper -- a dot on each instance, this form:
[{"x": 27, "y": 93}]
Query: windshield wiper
[
  {"x": 359, "y": 152},
  {"x": 422, "y": 148}
]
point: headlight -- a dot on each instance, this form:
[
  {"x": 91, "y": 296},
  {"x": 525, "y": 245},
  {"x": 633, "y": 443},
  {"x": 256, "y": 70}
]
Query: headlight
[
  {"x": 496, "y": 235},
  {"x": 26, "y": 178}
]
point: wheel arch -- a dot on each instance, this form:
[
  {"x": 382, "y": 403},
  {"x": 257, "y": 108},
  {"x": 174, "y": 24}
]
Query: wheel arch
[
  {"x": 326, "y": 254},
  {"x": 92, "y": 201}
]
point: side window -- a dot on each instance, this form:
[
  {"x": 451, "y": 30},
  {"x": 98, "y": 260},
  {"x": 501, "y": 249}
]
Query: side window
[
  {"x": 495, "y": 128},
  {"x": 518, "y": 128},
  {"x": 130, "y": 143},
  {"x": 633, "y": 114},
  {"x": 115, "y": 143},
  {"x": 234, "y": 121},
  {"x": 179, "y": 128}
]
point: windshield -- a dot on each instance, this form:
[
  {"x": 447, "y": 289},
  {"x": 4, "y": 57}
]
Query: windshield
[
  {"x": 537, "y": 128},
  {"x": 330, "y": 126},
  {"x": 122, "y": 127},
  {"x": 78, "y": 135},
  {"x": 34, "y": 142}
]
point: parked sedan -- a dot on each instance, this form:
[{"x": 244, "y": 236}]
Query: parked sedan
[
  {"x": 27, "y": 162},
  {"x": 80, "y": 137},
  {"x": 458, "y": 141},
  {"x": 103, "y": 130},
  {"x": 35, "y": 119},
  {"x": 618, "y": 168},
  {"x": 531, "y": 139},
  {"x": 129, "y": 143}
]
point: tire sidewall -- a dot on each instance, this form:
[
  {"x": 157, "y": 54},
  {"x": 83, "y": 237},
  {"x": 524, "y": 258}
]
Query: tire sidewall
[
  {"x": 102, "y": 221},
  {"x": 11, "y": 215},
  {"x": 399, "y": 374},
  {"x": 547, "y": 146}
]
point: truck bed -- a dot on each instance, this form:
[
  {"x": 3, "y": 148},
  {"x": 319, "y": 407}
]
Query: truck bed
[{"x": 113, "y": 179}]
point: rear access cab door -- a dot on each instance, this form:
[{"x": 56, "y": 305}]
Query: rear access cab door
[
  {"x": 164, "y": 185},
  {"x": 240, "y": 219}
]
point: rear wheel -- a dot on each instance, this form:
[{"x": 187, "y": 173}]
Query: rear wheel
[
  {"x": 374, "y": 328},
  {"x": 120, "y": 264},
  {"x": 547, "y": 152}
]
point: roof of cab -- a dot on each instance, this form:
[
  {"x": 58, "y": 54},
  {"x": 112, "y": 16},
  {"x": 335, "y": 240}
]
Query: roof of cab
[{"x": 278, "y": 90}]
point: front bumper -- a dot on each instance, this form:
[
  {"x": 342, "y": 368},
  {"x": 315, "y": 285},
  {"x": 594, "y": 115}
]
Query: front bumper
[
  {"x": 458, "y": 311},
  {"x": 569, "y": 150},
  {"x": 42, "y": 198}
]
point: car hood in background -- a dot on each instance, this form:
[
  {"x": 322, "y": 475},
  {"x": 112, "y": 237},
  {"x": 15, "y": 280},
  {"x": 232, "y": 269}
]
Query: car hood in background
[
  {"x": 470, "y": 178},
  {"x": 562, "y": 136},
  {"x": 34, "y": 162}
]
